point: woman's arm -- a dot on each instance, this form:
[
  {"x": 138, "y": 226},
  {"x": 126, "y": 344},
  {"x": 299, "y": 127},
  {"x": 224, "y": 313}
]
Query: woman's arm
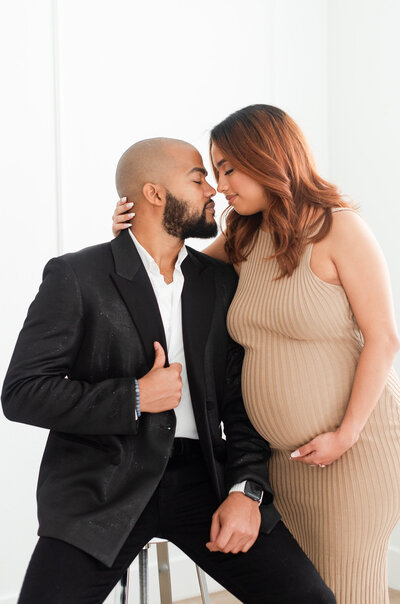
[
  {"x": 216, "y": 249},
  {"x": 363, "y": 273}
]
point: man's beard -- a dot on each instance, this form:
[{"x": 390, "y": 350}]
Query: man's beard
[{"x": 179, "y": 222}]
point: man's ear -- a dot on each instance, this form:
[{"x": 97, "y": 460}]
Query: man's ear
[{"x": 155, "y": 194}]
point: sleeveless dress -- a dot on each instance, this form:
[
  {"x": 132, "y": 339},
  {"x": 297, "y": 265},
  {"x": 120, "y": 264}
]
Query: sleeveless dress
[{"x": 302, "y": 346}]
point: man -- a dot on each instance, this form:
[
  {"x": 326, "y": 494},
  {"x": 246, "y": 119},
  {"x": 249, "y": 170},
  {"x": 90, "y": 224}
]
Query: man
[{"x": 125, "y": 358}]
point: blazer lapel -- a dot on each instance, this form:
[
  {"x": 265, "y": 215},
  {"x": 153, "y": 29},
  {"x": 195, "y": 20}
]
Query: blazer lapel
[
  {"x": 198, "y": 297},
  {"x": 135, "y": 288}
]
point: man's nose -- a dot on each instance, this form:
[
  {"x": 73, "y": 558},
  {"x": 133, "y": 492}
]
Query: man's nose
[{"x": 211, "y": 191}]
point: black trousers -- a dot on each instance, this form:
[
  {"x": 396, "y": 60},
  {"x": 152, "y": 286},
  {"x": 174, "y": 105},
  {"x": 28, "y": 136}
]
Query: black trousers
[{"x": 275, "y": 570}]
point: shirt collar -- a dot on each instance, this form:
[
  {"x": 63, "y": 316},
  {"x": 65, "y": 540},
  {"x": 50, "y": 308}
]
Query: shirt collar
[{"x": 149, "y": 263}]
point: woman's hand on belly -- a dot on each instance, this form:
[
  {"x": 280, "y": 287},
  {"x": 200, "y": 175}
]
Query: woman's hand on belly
[{"x": 324, "y": 449}]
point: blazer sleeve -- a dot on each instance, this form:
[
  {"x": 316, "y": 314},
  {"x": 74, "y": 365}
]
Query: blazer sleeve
[
  {"x": 247, "y": 451},
  {"x": 37, "y": 389}
]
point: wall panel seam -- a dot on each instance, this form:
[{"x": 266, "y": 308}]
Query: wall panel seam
[{"x": 57, "y": 127}]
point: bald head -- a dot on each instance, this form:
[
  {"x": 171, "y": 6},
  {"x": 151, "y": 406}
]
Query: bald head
[{"x": 150, "y": 160}]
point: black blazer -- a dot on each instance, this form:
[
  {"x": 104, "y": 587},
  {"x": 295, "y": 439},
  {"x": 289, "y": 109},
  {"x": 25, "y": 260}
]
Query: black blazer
[{"x": 88, "y": 333}]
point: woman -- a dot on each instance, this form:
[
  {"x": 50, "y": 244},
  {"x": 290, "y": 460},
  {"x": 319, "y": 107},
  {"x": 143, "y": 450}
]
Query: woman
[{"x": 313, "y": 312}]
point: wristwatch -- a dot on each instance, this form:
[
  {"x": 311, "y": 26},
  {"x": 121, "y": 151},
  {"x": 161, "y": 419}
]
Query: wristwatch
[{"x": 250, "y": 489}]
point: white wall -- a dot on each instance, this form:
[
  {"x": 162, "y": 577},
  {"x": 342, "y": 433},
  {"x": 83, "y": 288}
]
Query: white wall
[
  {"x": 149, "y": 70},
  {"x": 28, "y": 238},
  {"x": 170, "y": 69},
  {"x": 87, "y": 78}
]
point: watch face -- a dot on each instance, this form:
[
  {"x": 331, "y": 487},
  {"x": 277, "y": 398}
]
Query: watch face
[{"x": 253, "y": 490}]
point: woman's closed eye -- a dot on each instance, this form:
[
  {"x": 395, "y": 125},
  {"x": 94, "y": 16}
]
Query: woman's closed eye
[{"x": 228, "y": 172}]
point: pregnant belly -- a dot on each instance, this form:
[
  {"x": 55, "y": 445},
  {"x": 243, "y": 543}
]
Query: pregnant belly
[{"x": 292, "y": 393}]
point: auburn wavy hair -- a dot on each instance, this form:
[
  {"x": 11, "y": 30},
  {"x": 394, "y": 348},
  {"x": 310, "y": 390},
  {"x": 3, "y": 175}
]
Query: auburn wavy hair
[{"x": 263, "y": 142}]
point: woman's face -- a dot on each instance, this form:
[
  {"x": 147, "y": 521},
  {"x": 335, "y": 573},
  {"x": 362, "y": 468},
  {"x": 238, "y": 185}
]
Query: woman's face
[{"x": 242, "y": 192}]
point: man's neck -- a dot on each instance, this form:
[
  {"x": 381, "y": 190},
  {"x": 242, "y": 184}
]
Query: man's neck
[{"x": 163, "y": 248}]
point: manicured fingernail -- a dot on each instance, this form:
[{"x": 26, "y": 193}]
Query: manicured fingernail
[
  {"x": 130, "y": 204},
  {"x": 296, "y": 453},
  {"x": 128, "y": 224},
  {"x": 130, "y": 215},
  {"x": 123, "y": 199}
]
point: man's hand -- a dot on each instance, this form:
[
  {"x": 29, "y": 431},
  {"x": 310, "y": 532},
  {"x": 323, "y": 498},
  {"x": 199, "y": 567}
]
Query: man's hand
[
  {"x": 161, "y": 388},
  {"x": 235, "y": 525}
]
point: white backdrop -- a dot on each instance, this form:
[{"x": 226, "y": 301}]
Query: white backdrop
[{"x": 86, "y": 78}]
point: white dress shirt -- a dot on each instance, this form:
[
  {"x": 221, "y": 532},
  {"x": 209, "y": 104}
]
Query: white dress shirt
[{"x": 169, "y": 302}]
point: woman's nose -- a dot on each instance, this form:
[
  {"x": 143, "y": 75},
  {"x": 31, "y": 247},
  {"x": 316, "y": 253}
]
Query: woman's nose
[{"x": 221, "y": 187}]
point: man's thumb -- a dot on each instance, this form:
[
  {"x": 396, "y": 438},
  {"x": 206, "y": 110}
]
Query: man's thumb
[{"x": 159, "y": 361}]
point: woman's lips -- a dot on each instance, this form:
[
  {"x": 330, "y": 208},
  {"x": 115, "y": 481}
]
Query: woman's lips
[{"x": 230, "y": 199}]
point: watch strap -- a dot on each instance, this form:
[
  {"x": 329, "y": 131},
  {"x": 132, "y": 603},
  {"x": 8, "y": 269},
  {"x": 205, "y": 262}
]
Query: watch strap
[{"x": 250, "y": 489}]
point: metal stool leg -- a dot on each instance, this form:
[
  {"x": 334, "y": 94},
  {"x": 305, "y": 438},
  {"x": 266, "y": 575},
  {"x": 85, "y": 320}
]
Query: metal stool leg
[
  {"x": 143, "y": 575},
  {"x": 205, "y": 598},
  {"x": 164, "y": 573},
  {"x": 124, "y": 584},
  {"x": 164, "y": 577}
]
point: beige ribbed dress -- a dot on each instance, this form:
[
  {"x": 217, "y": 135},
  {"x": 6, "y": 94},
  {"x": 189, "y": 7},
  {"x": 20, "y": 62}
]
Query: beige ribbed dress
[{"x": 302, "y": 346}]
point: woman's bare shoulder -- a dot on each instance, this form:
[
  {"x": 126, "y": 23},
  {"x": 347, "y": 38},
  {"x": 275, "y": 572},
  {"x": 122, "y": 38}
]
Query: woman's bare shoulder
[{"x": 346, "y": 224}]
